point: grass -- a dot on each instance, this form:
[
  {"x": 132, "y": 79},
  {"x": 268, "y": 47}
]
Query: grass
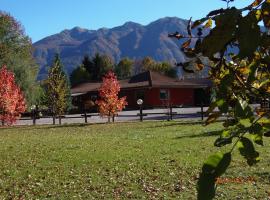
[{"x": 149, "y": 160}]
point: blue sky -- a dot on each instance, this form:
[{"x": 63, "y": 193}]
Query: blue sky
[{"x": 42, "y": 18}]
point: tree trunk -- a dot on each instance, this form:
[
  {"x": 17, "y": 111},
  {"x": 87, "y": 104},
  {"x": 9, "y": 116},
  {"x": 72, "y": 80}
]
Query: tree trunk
[
  {"x": 53, "y": 119},
  {"x": 109, "y": 117},
  {"x": 60, "y": 120}
]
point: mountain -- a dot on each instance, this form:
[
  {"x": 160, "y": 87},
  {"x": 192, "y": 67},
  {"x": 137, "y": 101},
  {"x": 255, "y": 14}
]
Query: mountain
[{"x": 131, "y": 40}]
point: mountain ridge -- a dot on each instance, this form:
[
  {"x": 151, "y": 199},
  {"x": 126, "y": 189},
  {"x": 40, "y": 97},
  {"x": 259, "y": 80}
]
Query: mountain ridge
[{"x": 131, "y": 40}]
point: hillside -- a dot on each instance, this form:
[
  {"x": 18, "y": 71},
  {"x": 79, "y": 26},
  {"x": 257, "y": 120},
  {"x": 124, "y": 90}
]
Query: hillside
[{"x": 129, "y": 40}]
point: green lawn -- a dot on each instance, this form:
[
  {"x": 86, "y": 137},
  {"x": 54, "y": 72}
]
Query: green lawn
[{"x": 149, "y": 160}]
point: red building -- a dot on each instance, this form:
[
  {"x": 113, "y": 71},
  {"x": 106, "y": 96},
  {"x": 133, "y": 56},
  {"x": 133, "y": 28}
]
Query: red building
[{"x": 154, "y": 89}]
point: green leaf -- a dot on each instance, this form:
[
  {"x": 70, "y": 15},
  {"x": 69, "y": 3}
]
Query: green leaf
[
  {"x": 222, "y": 141},
  {"x": 230, "y": 122},
  {"x": 257, "y": 133},
  {"x": 266, "y": 13},
  {"x": 248, "y": 151},
  {"x": 257, "y": 138},
  {"x": 248, "y": 35},
  {"x": 243, "y": 110},
  {"x": 222, "y": 34},
  {"x": 225, "y": 82},
  {"x": 214, "y": 166}
]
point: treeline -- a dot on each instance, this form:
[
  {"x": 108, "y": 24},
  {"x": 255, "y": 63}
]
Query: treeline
[{"x": 93, "y": 69}]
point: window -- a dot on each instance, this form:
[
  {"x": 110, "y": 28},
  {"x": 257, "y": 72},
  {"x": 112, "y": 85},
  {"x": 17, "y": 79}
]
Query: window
[{"x": 164, "y": 94}]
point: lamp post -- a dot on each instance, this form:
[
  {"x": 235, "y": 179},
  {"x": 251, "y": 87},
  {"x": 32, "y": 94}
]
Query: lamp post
[
  {"x": 140, "y": 102},
  {"x": 33, "y": 109}
]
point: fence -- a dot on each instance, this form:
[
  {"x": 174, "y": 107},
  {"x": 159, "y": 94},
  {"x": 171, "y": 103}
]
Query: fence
[{"x": 135, "y": 115}]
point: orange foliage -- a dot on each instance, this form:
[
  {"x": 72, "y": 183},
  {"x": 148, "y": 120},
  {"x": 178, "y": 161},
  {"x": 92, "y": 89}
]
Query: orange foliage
[
  {"x": 109, "y": 104},
  {"x": 12, "y": 102}
]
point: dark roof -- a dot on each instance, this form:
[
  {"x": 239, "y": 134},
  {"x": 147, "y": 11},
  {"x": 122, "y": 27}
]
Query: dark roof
[{"x": 147, "y": 80}]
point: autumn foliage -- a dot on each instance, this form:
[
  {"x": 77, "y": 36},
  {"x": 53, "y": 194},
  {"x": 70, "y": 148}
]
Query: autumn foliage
[
  {"x": 12, "y": 102},
  {"x": 109, "y": 103}
]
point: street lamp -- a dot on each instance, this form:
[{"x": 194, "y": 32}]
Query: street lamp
[
  {"x": 140, "y": 102},
  {"x": 33, "y": 109}
]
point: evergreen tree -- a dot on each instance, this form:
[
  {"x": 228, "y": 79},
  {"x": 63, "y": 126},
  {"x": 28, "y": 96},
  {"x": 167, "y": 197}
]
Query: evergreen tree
[
  {"x": 101, "y": 64},
  {"x": 57, "y": 89},
  {"x": 87, "y": 64},
  {"x": 79, "y": 75}
]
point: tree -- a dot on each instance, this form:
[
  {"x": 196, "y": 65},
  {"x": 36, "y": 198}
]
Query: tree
[
  {"x": 109, "y": 103},
  {"x": 12, "y": 102},
  {"x": 165, "y": 68},
  {"x": 148, "y": 63},
  {"x": 79, "y": 75},
  {"x": 87, "y": 64},
  {"x": 16, "y": 53},
  {"x": 124, "y": 68},
  {"x": 99, "y": 66},
  {"x": 57, "y": 89},
  {"x": 237, "y": 50}
]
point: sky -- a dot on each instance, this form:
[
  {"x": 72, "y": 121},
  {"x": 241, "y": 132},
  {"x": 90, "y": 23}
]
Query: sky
[{"x": 42, "y": 18}]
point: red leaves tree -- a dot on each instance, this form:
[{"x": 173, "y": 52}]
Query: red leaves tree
[
  {"x": 109, "y": 103},
  {"x": 12, "y": 102}
]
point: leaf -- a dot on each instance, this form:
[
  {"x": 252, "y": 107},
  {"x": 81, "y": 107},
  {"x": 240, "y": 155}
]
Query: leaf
[
  {"x": 211, "y": 108},
  {"x": 196, "y": 23},
  {"x": 248, "y": 151},
  {"x": 176, "y": 35},
  {"x": 222, "y": 105},
  {"x": 212, "y": 118},
  {"x": 208, "y": 23},
  {"x": 222, "y": 141},
  {"x": 257, "y": 138},
  {"x": 230, "y": 122},
  {"x": 185, "y": 66},
  {"x": 255, "y": 3},
  {"x": 248, "y": 35},
  {"x": 266, "y": 13},
  {"x": 242, "y": 109},
  {"x": 189, "y": 52},
  {"x": 216, "y": 12},
  {"x": 220, "y": 36},
  {"x": 199, "y": 64},
  {"x": 186, "y": 44},
  {"x": 214, "y": 166}
]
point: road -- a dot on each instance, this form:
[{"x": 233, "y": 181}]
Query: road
[
  {"x": 182, "y": 113},
  {"x": 122, "y": 116}
]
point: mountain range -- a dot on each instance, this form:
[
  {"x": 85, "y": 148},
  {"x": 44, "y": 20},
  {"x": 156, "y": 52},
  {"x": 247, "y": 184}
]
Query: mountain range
[{"x": 131, "y": 40}]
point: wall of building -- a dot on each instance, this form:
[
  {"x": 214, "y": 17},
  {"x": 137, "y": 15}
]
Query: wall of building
[{"x": 177, "y": 96}]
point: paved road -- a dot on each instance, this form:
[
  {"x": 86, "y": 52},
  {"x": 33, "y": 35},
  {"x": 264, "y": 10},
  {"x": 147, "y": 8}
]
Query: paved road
[
  {"x": 122, "y": 116},
  {"x": 182, "y": 113}
]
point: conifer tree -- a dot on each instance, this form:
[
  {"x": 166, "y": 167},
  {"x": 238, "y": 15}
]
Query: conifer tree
[{"x": 57, "y": 89}]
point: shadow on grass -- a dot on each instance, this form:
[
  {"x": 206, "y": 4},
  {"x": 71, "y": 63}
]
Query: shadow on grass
[
  {"x": 178, "y": 123},
  {"x": 263, "y": 175},
  {"x": 205, "y": 134},
  {"x": 46, "y": 126}
]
